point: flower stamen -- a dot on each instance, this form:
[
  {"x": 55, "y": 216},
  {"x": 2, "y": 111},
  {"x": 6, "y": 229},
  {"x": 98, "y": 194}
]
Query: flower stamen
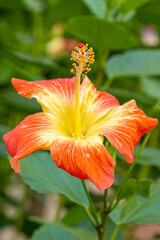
[{"x": 83, "y": 57}]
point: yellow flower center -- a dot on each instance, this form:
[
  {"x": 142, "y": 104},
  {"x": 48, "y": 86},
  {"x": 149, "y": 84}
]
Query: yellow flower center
[{"x": 83, "y": 58}]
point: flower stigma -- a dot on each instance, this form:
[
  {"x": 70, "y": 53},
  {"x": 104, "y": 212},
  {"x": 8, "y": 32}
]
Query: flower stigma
[{"x": 83, "y": 58}]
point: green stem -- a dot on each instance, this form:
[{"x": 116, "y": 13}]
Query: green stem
[
  {"x": 105, "y": 198},
  {"x": 115, "y": 232},
  {"x": 91, "y": 204},
  {"x": 90, "y": 217},
  {"x": 129, "y": 171},
  {"x": 101, "y": 229}
]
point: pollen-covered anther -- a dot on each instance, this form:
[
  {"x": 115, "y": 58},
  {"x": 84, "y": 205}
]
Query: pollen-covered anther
[{"x": 83, "y": 57}]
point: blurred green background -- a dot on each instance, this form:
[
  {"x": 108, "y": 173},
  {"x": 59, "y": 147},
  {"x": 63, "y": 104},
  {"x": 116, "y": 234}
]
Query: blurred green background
[{"x": 36, "y": 39}]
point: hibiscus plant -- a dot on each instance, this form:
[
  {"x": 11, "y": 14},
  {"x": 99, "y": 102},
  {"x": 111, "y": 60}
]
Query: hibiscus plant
[
  {"x": 89, "y": 137},
  {"x": 74, "y": 120}
]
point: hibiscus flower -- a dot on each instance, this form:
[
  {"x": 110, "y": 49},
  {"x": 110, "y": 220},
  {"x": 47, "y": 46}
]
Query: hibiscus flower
[{"x": 74, "y": 120}]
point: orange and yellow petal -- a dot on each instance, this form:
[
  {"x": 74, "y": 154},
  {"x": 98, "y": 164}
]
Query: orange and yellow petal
[
  {"x": 94, "y": 104},
  {"x": 35, "y": 132},
  {"x": 84, "y": 159},
  {"x": 56, "y": 96},
  {"x": 51, "y": 94},
  {"x": 123, "y": 126}
]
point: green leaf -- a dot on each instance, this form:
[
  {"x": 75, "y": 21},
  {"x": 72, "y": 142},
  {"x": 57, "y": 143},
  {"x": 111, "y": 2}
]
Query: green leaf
[
  {"x": 11, "y": 4},
  {"x": 134, "y": 63},
  {"x": 41, "y": 174},
  {"x": 3, "y": 150},
  {"x": 134, "y": 187},
  {"x": 13, "y": 99},
  {"x": 34, "y": 6},
  {"x": 139, "y": 212},
  {"x": 64, "y": 10},
  {"x": 98, "y": 8},
  {"x": 150, "y": 13},
  {"x": 143, "y": 189},
  {"x": 5, "y": 73},
  {"x": 128, "y": 95},
  {"x": 149, "y": 156},
  {"x": 128, "y": 190},
  {"x": 129, "y": 5},
  {"x": 109, "y": 230},
  {"x": 74, "y": 216},
  {"x": 151, "y": 87},
  {"x": 98, "y": 32},
  {"x": 58, "y": 232}
]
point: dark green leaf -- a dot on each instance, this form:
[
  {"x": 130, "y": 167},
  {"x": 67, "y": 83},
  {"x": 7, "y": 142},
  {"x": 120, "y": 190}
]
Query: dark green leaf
[
  {"x": 74, "y": 216},
  {"x": 5, "y": 73},
  {"x": 109, "y": 230},
  {"x": 98, "y": 32},
  {"x": 149, "y": 156},
  {"x": 128, "y": 190},
  {"x": 41, "y": 174},
  {"x": 139, "y": 212},
  {"x": 151, "y": 87},
  {"x": 134, "y": 63},
  {"x": 3, "y": 129},
  {"x": 63, "y": 10},
  {"x": 11, "y": 4},
  {"x": 3, "y": 150},
  {"x": 15, "y": 100},
  {"x": 143, "y": 189},
  {"x": 150, "y": 13},
  {"x": 98, "y": 8},
  {"x": 58, "y": 232},
  {"x": 129, "y": 5},
  {"x": 134, "y": 187}
]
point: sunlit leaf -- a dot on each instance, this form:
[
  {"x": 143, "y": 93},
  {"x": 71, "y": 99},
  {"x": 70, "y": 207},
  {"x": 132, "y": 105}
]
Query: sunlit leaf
[
  {"x": 134, "y": 63},
  {"x": 34, "y": 6},
  {"x": 98, "y": 8},
  {"x": 100, "y": 33}
]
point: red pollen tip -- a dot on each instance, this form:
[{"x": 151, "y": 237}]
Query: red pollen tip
[{"x": 80, "y": 45}]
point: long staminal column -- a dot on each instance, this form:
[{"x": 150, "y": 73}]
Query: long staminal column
[{"x": 83, "y": 57}]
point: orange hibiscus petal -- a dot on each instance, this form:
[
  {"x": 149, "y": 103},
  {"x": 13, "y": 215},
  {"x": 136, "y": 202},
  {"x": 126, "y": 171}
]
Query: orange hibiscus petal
[
  {"x": 123, "y": 126},
  {"x": 49, "y": 93},
  {"x": 94, "y": 104},
  {"x": 35, "y": 132},
  {"x": 84, "y": 159}
]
